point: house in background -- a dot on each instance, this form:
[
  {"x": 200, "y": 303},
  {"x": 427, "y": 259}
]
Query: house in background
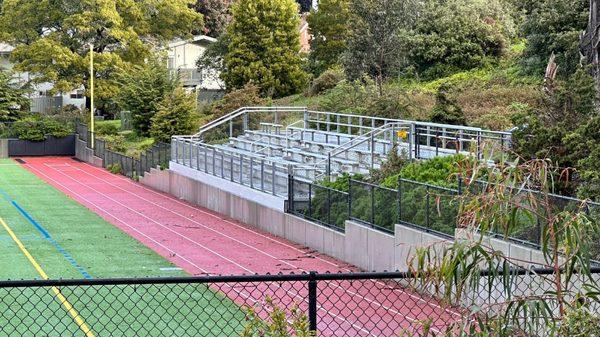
[
  {"x": 182, "y": 58},
  {"x": 42, "y": 100}
]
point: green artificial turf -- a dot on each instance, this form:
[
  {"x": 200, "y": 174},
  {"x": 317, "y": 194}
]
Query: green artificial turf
[{"x": 103, "y": 251}]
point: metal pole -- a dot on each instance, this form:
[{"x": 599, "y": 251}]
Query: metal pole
[
  {"x": 372, "y": 205},
  {"x": 92, "y": 93},
  {"x": 312, "y": 302},
  {"x": 349, "y": 198},
  {"x": 274, "y": 178},
  {"x": 399, "y": 199}
]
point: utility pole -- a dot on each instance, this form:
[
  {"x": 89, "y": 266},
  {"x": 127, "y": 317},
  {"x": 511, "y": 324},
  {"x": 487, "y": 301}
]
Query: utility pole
[{"x": 92, "y": 94}]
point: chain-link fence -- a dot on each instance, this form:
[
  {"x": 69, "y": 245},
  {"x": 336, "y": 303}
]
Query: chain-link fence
[{"x": 360, "y": 304}]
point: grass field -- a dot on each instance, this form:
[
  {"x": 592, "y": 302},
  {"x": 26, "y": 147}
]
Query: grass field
[{"x": 45, "y": 234}]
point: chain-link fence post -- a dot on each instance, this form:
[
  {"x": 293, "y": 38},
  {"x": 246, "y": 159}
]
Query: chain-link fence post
[{"x": 312, "y": 302}]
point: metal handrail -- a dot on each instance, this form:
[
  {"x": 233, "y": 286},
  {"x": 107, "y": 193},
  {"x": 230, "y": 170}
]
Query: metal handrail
[
  {"x": 241, "y": 112},
  {"x": 356, "y": 141}
]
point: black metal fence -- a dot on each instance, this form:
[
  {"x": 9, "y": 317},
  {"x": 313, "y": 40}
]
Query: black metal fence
[
  {"x": 375, "y": 304},
  {"x": 434, "y": 209},
  {"x": 157, "y": 156}
]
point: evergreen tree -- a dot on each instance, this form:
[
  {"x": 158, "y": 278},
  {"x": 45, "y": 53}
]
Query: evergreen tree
[
  {"x": 174, "y": 116},
  {"x": 12, "y": 100},
  {"x": 142, "y": 89},
  {"x": 265, "y": 47},
  {"x": 329, "y": 28}
]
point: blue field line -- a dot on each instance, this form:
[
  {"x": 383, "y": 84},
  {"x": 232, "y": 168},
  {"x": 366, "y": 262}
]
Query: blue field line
[{"x": 47, "y": 236}]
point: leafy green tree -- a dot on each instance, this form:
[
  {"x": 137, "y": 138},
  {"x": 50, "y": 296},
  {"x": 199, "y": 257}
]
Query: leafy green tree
[
  {"x": 455, "y": 35},
  {"x": 51, "y": 38},
  {"x": 216, "y": 15},
  {"x": 142, "y": 89},
  {"x": 264, "y": 47},
  {"x": 328, "y": 27},
  {"x": 12, "y": 100},
  {"x": 174, "y": 117},
  {"x": 554, "y": 26},
  {"x": 374, "y": 47}
]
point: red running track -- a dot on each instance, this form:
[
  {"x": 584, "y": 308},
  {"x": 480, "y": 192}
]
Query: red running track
[{"x": 204, "y": 242}]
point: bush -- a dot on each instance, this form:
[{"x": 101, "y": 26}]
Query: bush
[
  {"x": 36, "y": 128},
  {"x": 249, "y": 95},
  {"x": 174, "y": 116},
  {"x": 114, "y": 168},
  {"x": 327, "y": 80},
  {"x": 107, "y": 128},
  {"x": 446, "y": 110}
]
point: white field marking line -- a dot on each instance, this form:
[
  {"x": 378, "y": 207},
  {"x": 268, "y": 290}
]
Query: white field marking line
[
  {"x": 244, "y": 294},
  {"x": 297, "y": 295},
  {"x": 371, "y": 301},
  {"x": 168, "y": 196},
  {"x": 165, "y": 195},
  {"x": 175, "y": 254}
]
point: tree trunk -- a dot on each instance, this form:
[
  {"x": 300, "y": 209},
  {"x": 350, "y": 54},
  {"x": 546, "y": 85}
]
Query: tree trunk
[{"x": 590, "y": 40}]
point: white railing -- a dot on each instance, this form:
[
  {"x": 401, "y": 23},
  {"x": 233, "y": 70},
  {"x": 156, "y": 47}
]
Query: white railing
[{"x": 366, "y": 138}]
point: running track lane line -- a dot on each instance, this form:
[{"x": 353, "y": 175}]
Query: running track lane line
[
  {"x": 63, "y": 300},
  {"x": 295, "y": 294},
  {"x": 165, "y": 195},
  {"x": 374, "y": 302},
  {"x": 369, "y": 300},
  {"x": 244, "y": 294}
]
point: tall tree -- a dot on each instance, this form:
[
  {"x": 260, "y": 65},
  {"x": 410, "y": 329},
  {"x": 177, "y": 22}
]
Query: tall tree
[
  {"x": 142, "y": 90},
  {"x": 374, "y": 44},
  {"x": 51, "y": 38},
  {"x": 554, "y": 26},
  {"x": 216, "y": 15},
  {"x": 12, "y": 99},
  {"x": 329, "y": 28},
  {"x": 265, "y": 47}
]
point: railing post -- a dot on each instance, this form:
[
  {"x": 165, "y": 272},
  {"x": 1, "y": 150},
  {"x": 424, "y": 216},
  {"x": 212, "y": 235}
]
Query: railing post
[
  {"x": 372, "y": 151},
  {"x": 310, "y": 200},
  {"x": 274, "y": 179},
  {"x": 372, "y": 205},
  {"x": 312, "y": 302},
  {"x": 399, "y": 199},
  {"x": 328, "y": 168},
  {"x": 328, "y": 206},
  {"x": 305, "y": 118},
  {"x": 350, "y": 198},
  {"x": 290, "y": 205},
  {"x": 427, "y": 207},
  {"x": 460, "y": 184},
  {"x": 262, "y": 175}
]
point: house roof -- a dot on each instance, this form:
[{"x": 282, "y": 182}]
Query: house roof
[{"x": 197, "y": 38}]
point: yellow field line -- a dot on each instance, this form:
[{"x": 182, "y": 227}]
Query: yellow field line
[{"x": 63, "y": 300}]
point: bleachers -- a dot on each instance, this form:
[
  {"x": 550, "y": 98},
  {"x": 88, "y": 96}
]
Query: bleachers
[{"x": 252, "y": 147}]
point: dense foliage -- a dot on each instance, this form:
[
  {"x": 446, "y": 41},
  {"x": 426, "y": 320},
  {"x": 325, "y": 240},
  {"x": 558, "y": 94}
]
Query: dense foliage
[
  {"x": 36, "y": 128},
  {"x": 264, "y": 45},
  {"x": 328, "y": 27},
  {"x": 174, "y": 116},
  {"x": 12, "y": 100},
  {"x": 562, "y": 129},
  {"x": 142, "y": 90},
  {"x": 51, "y": 38},
  {"x": 215, "y": 14},
  {"x": 554, "y": 26}
]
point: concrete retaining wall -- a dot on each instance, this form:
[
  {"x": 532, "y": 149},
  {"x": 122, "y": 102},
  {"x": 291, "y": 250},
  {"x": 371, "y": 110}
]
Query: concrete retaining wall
[
  {"x": 3, "y": 148},
  {"x": 83, "y": 153},
  {"x": 360, "y": 245}
]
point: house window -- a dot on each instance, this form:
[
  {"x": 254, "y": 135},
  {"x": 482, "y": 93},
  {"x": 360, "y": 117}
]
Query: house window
[{"x": 77, "y": 95}]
